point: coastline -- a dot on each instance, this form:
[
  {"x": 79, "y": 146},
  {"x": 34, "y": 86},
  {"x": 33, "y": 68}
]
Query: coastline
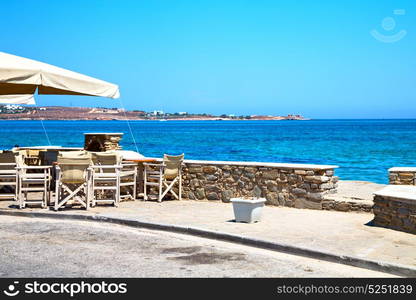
[
  {"x": 160, "y": 120},
  {"x": 16, "y": 112}
]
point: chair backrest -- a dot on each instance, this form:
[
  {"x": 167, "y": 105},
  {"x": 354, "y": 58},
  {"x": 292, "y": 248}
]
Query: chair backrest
[
  {"x": 33, "y": 152},
  {"x": 19, "y": 157},
  {"x": 173, "y": 164},
  {"x": 72, "y": 154},
  {"x": 47, "y": 158},
  {"x": 74, "y": 166},
  {"x": 109, "y": 158},
  {"x": 7, "y": 157}
]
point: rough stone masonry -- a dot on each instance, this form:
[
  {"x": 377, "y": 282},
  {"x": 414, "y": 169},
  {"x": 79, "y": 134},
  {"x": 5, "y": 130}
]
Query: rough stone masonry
[
  {"x": 402, "y": 175},
  {"x": 394, "y": 212},
  {"x": 292, "y": 185}
]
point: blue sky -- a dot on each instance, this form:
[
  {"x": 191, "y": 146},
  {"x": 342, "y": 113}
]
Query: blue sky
[{"x": 316, "y": 58}]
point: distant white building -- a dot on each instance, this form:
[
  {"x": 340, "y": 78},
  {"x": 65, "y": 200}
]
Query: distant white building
[
  {"x": 158, "y": 112},
  {"x": 13, "y": 107},
  {"x": 182, "y": 113}
]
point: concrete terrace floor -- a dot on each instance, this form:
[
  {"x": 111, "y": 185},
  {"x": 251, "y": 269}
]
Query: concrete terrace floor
[
  {"x": 111, "y": 250},
  {"x": 341, "y": 233},
  {"x": 355, "y": 191}
]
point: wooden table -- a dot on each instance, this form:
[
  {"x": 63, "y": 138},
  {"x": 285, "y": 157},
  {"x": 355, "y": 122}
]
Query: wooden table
[
  {"x": 142, "y": 160},
  {"x": 51, "y": 148}
]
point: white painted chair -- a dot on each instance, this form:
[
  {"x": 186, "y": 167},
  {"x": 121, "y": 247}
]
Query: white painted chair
[
  {"x": 106, "y": 177},
  {"x": 73, "y": 178},
  {"x": 165, "y": 176},
  {"x": 32, "y": 157},
  {"x": 33, "y": 179},
  {"x": 128, "y": 178},
  {"x": 8, "y": 174}
]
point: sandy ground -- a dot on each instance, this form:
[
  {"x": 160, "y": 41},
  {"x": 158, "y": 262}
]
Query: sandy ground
[{"x": 48, "y": 248}]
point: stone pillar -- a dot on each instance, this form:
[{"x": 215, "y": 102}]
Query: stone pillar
[
  {"x": 395, "y": 207},
  {"x": 402, "y": 175},
  {"x": 100, "y": 142}
]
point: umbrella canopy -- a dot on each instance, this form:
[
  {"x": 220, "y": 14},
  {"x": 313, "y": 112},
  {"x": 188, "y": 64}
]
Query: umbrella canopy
[
  {"x": 21, "y": 77},
  {"x": 17, "y": 99}
]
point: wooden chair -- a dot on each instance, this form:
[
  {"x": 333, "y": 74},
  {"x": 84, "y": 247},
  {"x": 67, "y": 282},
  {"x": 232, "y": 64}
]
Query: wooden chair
[
  {"x": 8, "y": 175},
  {"x": 73, "y": 178},
  {"x": 48, "y": 157},
  {"x": 128, "y": 178},
  {"x": 32, "y": 157},
  {"x": 164, "y": 176},
  {"x": 106, "y": 177},
  {"x": 32, "y": 179}
]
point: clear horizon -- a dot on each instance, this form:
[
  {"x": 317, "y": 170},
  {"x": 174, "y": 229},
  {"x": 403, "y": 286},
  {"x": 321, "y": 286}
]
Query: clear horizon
[{"x": 323, "y": 60}]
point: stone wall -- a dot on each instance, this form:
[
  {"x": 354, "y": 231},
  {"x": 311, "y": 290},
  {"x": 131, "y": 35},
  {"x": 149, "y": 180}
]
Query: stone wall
[
  {"x": 395, "y": 210},
  {"x": 402, "y": 176},
  {"x": 292, "y": 185},
  {"x": 349, "y": 205}
]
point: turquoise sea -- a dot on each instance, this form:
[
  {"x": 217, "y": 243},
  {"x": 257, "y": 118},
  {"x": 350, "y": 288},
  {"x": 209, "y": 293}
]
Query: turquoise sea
[{"x": 364, "y": 149}]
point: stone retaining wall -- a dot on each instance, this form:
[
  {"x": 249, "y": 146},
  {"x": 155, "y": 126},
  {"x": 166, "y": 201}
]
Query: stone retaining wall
[
  {"x": 292, "y": 185},
  {"x": 351, "y": 205},
  {"x": 402, "y": 176},
  {"x": 395, "y": 213}
]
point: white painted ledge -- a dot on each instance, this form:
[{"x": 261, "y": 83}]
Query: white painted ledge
[
  {"x": 403, "y": 169},
  {"x": 403, "y": 192},
  {"x": 103, "y": 133},
  {"x": 259, "y": 164}
]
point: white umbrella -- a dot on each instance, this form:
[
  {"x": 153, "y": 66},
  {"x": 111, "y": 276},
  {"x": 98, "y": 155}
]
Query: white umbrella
[
  {"x": 17, "y": 99},
  {"x": 21, "y": 77}
]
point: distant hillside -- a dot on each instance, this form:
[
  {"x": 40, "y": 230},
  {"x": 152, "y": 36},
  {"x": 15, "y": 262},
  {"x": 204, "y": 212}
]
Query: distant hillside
[
  {"x": 17, "y": 112},
  {"x": 72, "y": 113}
]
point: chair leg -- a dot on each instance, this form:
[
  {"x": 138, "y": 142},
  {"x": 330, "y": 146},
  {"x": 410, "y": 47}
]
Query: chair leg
[
  {"x": 180, "y": 186},
  {"x": 87, "y": 198},
  {"x": 159, "y": 199},
  {"x": 20, "y": 194},
  {"x": 72, "y": 194},
  {"x": 145, "y": 185},
  {"x": 45, "y": 192},
  {"x": 57, "y": 183},
  {"x": 89, "y": 189},
  {"x": 135, "y": 185},
  {"x": 57, "y": 195},
  {"x": 118, "y": 189},
  {"x": 49, "y": 197},
  {"x": 117, "y": 198},
  {"x": 169, "y": 188},
  {"x": 48, "y": 186},
  {"x": 16, "y": 190},
  {"x": 92, "y": 193}
]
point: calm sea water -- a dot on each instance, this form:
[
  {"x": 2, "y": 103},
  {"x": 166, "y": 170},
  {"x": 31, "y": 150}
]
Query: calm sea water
[{"x": 364, "y": 149}]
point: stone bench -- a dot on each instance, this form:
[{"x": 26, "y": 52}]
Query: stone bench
[{"x": 395, "y": 207}]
